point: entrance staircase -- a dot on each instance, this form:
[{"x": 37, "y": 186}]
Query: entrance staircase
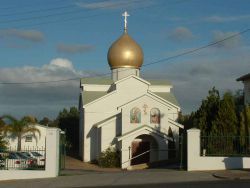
[{"x": 165, "y": 164}]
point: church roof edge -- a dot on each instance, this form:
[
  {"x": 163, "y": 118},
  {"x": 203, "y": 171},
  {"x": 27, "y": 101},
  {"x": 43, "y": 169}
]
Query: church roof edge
[
  {"x": 244, "y": 77},
  {"x": 108, "y": 81}
]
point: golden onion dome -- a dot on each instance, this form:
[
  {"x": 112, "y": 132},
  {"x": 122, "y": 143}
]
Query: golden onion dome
[{"x": 125, "y": 52}]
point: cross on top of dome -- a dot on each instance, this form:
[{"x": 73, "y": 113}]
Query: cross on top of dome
[
  {"x": 125, "y": 52},
  {"x": 125, "y": 14}
]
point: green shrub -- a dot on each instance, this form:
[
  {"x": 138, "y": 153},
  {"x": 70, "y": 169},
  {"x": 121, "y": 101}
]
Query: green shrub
[{"x": 109, "y": 158}]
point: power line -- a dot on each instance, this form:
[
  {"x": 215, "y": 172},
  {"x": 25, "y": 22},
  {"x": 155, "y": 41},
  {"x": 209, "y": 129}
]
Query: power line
[
  {"x": 89, "y": 16},
  {"x": 28, "y": 4},
  {"x": 37, "y": 10},
  {"x": 198, "y": 49},
  {"x": 64, "y": 13},
  {"x": 148, "y": 64}
]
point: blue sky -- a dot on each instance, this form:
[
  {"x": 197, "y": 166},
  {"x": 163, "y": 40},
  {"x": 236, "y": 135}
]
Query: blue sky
[{"x": 57, "y": 39}]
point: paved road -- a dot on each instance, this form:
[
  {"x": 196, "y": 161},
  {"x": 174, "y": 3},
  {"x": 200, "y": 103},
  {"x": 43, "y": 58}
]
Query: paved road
[
  {"x": 80, "y": 178},
  {"x": 209, "y": 184},
  {"x": 143, "y": 178}
]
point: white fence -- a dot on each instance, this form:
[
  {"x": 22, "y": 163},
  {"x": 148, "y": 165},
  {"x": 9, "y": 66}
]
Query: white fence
[
  {"x": 52, "y": 160},
  {"x": 197, "y": 162}
]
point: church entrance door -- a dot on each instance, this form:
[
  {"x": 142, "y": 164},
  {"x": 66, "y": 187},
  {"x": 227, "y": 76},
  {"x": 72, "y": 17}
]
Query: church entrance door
[{"x": 140, "y": 147}]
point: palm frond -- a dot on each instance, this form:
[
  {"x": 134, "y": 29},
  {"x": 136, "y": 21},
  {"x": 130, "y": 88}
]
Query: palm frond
[
  {"x": 29, "y": 120},
  {"x": 8, "y": 117},
  {"x": 32, "y": 130}
]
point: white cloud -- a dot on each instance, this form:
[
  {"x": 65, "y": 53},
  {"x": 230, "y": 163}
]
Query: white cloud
[
  {"x": 28, "y": 35},
  {"x": 180, "y": 34},
  {"x": 58, "y": 68},
  {"x": 59, "y": 64},
  {"x": 193, "y": 75},
  {"x": 221, "y": 19},
  {"x": 230, "y": 43},
  {"x": 40, "y": 99},
  {"x": 114, "y": 4}
]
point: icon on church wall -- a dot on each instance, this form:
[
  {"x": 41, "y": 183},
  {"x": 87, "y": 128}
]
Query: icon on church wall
[
  {"x": 155, "y": 116},
  {"x": 135, "y": 115}
]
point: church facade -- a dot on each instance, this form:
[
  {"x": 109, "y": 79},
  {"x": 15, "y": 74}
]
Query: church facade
[{"x": 134, "y": 115}]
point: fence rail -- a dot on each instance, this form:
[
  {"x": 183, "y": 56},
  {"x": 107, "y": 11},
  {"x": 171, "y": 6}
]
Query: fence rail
[
  {"x": 25, "y": 159},
  {"x": 214, "y": 145}
]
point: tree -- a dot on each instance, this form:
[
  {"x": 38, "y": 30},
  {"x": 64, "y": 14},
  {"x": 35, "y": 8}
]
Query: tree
[
  {"x": 110, "y": 158},
  {"x": 19, "y": 128},
  {"x": 239, "y": 100},
  {"x": 47, "y": 122},
  {"x": 244, "y": 129},
  {"x": 215, "y": 114},
  {"x": 186, "y": 120},
  {"x": 204, "y": 116},
  {"x": 226, "y": 120},
  {"x": 68, "y": 121},
  {"x": 3, "y": 142}
]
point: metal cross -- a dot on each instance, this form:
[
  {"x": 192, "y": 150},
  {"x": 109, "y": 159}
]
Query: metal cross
[{"x": 125, "y": 14}]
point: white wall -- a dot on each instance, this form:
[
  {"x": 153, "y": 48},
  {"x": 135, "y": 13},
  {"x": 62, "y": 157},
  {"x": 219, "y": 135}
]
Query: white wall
[
  {"x": 108, "y": 133},
  {"x": 52, "y": 161},
  {"x": 128, "y": 89},
  {"x": 106, "y": 107},
  {"x": 196, "y": 162},
  {"x": 121, "y": 73},
  {"x": 38, "y": 142},
  {"x": 145, "y": 117}
]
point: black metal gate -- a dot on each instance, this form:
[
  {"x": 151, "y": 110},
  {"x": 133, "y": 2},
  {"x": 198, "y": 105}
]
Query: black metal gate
[{"x": 62, "y": 151}]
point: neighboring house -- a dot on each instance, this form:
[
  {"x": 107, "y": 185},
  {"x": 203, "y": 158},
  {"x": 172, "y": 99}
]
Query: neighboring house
[
  {"x": 127, "y": 112},
  {"x": 29, "y": 141},
  {"x": 246, "y": 81}
]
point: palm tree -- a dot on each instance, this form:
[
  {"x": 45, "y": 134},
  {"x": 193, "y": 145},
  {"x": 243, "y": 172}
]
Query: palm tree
[
  {"x": 19, "y": 128},
  {"x": 3, "y": 142}
]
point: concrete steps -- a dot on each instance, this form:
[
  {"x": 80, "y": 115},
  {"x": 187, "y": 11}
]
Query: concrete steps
[{"x": 138, "y": 167}]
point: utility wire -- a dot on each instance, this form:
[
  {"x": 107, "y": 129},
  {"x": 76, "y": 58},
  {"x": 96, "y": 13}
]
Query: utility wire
[
  {"x": 28, "y": 4},
  {"x": 77, "y": 18},
  {"x": 199, "y": 48},
  {"x": 68, "y": 12},
  {"x": 53, "y": 8},
  {"x": 37, "y": 10},
  {"x": 148, "y": 64}
]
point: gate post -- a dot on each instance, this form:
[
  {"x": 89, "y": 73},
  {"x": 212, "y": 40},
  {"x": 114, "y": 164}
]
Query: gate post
[
  {"x": 52, "y": 151},
  {"x": 193, "y": 147}
]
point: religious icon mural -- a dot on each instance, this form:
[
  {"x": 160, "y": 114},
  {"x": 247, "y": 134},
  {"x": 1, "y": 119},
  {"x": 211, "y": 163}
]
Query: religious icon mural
[
  {"x": 155, "y": 116},
  {"x": 135, "y": 115}
]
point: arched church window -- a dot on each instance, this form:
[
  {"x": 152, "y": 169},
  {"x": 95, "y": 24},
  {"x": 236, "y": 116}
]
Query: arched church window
[
  {"x": 155, "y": 116},
  {"x": 135, "y": 115}
]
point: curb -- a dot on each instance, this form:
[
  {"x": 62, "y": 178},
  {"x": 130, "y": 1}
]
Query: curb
[{"x": 231, "y": 177}]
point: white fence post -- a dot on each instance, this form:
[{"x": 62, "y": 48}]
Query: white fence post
[
  {"x": 52, "y": 152},
  {"x": 193, "y": 147}
]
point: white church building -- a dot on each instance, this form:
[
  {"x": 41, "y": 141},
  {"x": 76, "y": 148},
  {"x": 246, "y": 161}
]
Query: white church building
[{"x": 134, "y": 115}]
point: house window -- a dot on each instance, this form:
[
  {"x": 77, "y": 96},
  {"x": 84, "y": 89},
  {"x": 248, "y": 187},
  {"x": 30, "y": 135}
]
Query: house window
[
  {"x": 28, "y": 139},
  {"x": 155, "y": 116},
  {"x": 135, "y": 115}
]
